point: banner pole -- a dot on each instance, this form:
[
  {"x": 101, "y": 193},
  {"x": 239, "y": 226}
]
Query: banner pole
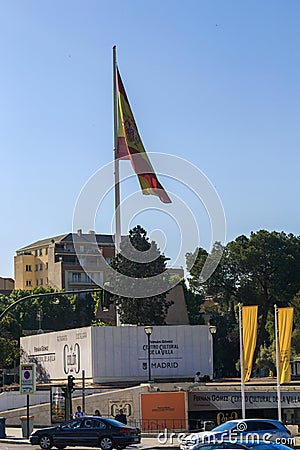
[
  {"x": 277, "y": 363},
  {"x": 242, "y": 364}
]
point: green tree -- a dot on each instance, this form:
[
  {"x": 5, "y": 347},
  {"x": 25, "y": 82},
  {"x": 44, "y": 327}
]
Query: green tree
[
  {"x": 150, "y": 310},
  {"x": 266, "y": 360},
  {"x": 261, "y": 269},
  {"x": 84, "y": 309},
  {"x": 57, "y": 311},
  {"x": 193, "y": 303},
  {"x": 9, "y": 345}
]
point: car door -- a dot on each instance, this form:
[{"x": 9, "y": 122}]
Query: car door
[
  {"x": 91, "y": 430},
  {"x": 68, "y": 433}
]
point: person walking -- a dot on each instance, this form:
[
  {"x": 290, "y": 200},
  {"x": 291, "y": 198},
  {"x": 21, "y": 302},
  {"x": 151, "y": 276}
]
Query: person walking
[{"x": 121, "y": 417}]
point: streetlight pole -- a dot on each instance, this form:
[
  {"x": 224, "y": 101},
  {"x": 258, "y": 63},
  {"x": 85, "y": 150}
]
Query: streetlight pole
[
  {"x": 148, "y": 331},
  {"x": 212, "y": 330}
]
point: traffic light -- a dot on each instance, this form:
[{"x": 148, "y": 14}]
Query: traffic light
[
  {"x": 71, "y": 384},
  {"x": 64, "y": 391}
]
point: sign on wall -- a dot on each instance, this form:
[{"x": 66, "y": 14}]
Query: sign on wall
[
  {"x": 229, "y": 400},
  {"x": 27, "y": 379},
  {"x": 59, "y": 354},
  {"x": 163, "y": 410},
  {"x": 115, "y": 406}
]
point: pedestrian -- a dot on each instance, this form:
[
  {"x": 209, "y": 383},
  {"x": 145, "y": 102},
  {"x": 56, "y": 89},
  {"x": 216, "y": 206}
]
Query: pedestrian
[
  {"x": 121, "y": 417},
  {"x": 97, "y": 412},
  {"x": 197, "y": 377},
  {"x": 78, "y": 413}
]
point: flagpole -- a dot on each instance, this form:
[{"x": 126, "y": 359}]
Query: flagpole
[
  {"x": 116, "y": 166},
  {"x": 277, "y": 363},
  {"x": 242, "y": 364}
]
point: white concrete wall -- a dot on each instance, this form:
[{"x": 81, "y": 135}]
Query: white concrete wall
[
  {"x": 103, "y": 401},
  {"x": 13, "y": 399},
  {"x": 121, "y": 353}
]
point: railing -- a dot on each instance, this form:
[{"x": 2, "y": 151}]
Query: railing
[
  {"x": 171, "y": 425},
  {"x": 158, "y": 426}
]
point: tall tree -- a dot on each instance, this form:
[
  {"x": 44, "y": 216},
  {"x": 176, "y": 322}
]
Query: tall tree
[{"x": 140, "y": 311}]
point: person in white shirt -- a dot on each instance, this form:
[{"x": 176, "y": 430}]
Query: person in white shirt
[
  {"x": 78, "y": 413},
  {"x": 197, "y": 377}
]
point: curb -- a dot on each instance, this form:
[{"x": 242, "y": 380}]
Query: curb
[
  {"x": 20, "y": 441},
  {"x": 14, "y": 441}
]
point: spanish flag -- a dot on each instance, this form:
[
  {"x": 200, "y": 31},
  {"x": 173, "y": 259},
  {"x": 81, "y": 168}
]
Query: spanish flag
[
  {"x": 285, "y": 325},
  {"x": 130, "y": 146}
]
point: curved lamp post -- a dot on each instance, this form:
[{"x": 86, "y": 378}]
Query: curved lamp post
[{"x": 148, "y": 331}]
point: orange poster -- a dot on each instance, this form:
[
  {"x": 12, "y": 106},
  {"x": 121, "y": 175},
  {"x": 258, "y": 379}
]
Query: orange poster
[{"x": 162, "y": 410}]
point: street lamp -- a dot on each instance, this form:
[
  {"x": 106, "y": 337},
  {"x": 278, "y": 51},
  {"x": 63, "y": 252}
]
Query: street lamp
[
  {"x": 39, "y": 317},
  {"x": 148, "y": 331},
  {"x": 212, "y": 330}
]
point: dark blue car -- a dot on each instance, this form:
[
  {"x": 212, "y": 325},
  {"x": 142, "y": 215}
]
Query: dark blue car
[{"x": 88, "y": 431}]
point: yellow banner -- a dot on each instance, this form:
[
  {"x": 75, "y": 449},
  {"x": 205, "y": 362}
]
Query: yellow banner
[
  {"x": 285, "y": 325},
  {"x": 249, "y": 323}
]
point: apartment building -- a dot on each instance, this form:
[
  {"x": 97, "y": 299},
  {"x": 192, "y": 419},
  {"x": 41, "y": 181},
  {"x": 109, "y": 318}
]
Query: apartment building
[
  {"x": 6, "y": 285},
  {"x": 58, "y": 261}
]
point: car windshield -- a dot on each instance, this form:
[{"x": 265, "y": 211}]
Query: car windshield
[{"x": 225, "y": 426}]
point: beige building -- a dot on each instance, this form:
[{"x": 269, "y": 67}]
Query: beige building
[
  {"x": 6, "y": 285},
  {"x": 58, "y": 261},
  {"x": 77, "y": 261}
]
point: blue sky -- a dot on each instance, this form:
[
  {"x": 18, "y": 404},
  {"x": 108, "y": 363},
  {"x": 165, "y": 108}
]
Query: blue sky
[{"x": 214, "y": 82}]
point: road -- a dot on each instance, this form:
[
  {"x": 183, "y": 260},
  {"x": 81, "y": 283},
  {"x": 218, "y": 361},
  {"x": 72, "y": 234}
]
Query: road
[
  {"x": 34, "y": 447},
  {"x": 31, "y": 447}
]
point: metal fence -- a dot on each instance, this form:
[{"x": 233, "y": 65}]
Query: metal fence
[
  {"x": 157, "y": 426},
  {"x": 172, "y": 425}
]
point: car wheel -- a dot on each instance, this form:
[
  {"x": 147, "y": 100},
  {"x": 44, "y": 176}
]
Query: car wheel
[
  {"x": 106, "y": 443},
  {"x": 46, "y": 442}
]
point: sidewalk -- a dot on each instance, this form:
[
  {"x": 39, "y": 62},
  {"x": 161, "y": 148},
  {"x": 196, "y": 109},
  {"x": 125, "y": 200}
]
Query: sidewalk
[{"x": 14, "y": 436}]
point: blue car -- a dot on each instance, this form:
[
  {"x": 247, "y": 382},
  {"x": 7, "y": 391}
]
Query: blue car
[
  {"x": 244, "y": 432},
  {"x": 226, "y": 445}
]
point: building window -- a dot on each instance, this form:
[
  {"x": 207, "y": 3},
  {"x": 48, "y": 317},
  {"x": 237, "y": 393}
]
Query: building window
[
  {"x": 36, "y": 267},
  {"x": 36, "y": 252},
  {"x": 41, "y": 281},
  {"x": 28, "y": 268},
  {"x": 28, "y": 282},
  {"x": 46, "y": 266},
  {"x": 47, "y": 280},
  {"x": 76, "y": 277},
  {"x": 46, "y": 251},
  {"x": 36, "y": 282},
  {"x": 41, "y": 266},
  {"x": 41, "y": 251}
]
